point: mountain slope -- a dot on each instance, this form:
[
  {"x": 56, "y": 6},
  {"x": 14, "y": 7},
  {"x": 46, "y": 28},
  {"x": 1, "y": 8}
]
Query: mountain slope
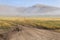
[
  {"x": 29, "y": 11},
  {"x": 40, "y": 9}
]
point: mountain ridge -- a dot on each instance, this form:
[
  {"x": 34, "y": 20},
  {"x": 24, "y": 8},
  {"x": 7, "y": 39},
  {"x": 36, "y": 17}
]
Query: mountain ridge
[{"x": 34, "y": 10}]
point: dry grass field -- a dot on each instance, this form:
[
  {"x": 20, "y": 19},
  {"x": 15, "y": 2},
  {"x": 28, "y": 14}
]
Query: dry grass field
[
  {"x": 45, "y": 23},
  {"x": 31, "y": 26}
]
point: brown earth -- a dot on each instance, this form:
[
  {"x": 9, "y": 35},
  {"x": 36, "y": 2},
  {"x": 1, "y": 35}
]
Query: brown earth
[{"x": 28, "y": 33}]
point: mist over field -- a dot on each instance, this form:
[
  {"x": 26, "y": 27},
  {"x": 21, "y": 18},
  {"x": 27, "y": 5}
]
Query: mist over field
[{"x": 35, "y": 10}]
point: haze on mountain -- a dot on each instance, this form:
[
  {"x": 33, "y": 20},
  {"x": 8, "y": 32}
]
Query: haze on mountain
[{"x": 35, "y": 10}]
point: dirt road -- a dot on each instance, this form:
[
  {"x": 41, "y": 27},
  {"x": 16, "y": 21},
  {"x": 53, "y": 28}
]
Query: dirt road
[{"x": 34, "y": 34}]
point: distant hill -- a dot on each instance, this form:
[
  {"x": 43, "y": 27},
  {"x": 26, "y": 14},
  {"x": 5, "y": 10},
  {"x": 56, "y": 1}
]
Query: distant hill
[{"x": 36, "y": 10}]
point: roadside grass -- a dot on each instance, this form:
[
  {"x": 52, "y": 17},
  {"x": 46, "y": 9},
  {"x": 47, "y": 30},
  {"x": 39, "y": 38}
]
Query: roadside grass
[{"x": 41, "y": 23}]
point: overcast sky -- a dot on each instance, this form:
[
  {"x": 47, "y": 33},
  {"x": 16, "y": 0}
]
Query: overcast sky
[{"x": 28, "y": 3}]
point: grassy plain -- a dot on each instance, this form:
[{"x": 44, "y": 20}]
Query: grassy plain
[{"x": 41, "y": 23}]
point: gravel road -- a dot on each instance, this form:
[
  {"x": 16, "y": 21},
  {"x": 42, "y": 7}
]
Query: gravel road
[{"x": 28, "y": 33}]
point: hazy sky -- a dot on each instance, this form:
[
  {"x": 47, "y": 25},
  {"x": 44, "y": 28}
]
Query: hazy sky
[{"x": 30, "y": 2}]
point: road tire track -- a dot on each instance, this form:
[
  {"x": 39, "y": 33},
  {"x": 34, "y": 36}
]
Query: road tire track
[{"x": 28, "y": 33}]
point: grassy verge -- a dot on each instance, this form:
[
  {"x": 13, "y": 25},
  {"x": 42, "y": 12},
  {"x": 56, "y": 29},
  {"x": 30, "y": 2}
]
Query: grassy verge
[{"x": 41, "y": 23}]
